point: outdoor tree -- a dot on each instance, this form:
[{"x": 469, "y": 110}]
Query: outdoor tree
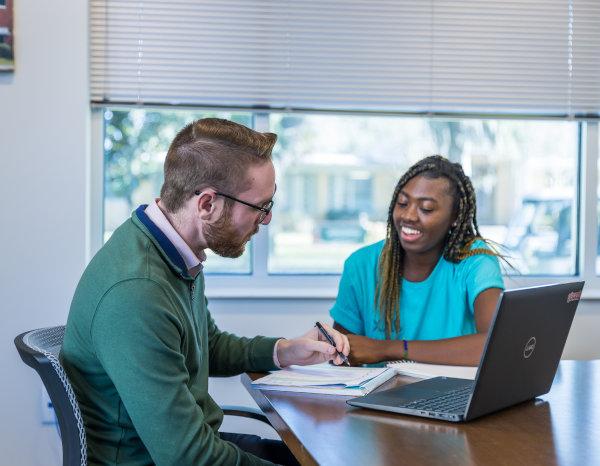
[{"x": 136, "y": 143}]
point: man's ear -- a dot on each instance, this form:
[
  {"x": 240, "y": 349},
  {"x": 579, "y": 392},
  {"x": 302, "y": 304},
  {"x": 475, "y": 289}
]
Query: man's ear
[{"x": 206, "y": 205}]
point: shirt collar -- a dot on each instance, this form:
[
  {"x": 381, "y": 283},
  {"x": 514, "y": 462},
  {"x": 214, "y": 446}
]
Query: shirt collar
[{"x": 192, "y": 262}]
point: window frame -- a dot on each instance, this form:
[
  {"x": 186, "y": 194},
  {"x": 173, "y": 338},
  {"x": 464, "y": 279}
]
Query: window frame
[{"x": 259, "y": 284}]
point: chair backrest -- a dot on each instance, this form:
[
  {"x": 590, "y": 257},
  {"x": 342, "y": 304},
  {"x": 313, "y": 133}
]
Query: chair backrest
[{"x": 39, "y": 349}]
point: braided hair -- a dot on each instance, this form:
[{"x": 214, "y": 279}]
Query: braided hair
[{"x": 457, "y": 244}]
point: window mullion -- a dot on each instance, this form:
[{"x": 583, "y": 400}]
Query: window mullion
[
  {"x": 260, "y": 242},
  {"x": 589, "y": 202},
  {"x": 95, "y": 186}
]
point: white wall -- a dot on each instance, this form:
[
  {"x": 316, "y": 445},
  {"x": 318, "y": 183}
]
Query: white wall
[{"x": 44, "y": 148}]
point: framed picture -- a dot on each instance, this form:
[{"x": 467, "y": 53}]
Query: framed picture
[{"x": 7, "y": 60}]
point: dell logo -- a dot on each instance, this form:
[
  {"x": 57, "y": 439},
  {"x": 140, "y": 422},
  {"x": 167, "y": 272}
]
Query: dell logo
[{"x": 529, "y": 347}]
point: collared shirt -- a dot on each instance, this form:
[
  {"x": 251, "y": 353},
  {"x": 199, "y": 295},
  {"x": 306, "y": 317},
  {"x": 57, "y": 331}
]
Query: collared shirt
[
  {"x": 136, "y": 299},
  {"x": 192, "y": 262}
]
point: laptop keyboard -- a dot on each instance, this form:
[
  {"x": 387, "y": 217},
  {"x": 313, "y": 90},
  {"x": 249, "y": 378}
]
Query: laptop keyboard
[{"x": 454, "y": 401}]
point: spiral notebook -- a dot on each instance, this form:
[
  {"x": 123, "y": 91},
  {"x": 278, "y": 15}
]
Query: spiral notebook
[
  {"x": 428, "y": 371},
  {"x": 325, "y": 379}
]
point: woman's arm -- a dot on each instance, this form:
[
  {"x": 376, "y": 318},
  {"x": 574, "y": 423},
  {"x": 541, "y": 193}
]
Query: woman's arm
[{"x": 460, "y": 351}]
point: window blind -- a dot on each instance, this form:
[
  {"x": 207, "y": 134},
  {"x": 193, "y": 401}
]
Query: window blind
[{"x": 538, "y": 57}]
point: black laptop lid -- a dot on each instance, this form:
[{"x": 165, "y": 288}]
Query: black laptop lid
[{"x": 524, "y": 346}]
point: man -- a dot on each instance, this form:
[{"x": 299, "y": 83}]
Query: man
[{"x": 140, "y": 343}]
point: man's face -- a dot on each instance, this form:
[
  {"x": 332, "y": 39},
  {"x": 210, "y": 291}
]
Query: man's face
[{"x": 228, "y": 236}]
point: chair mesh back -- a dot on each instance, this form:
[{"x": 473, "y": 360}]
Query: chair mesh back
[{"x": 48, "y": 342}]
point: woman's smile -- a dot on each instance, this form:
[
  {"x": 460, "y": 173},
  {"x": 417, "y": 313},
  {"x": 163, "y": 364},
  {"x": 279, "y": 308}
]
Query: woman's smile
[{"x": 410, "y": 234}]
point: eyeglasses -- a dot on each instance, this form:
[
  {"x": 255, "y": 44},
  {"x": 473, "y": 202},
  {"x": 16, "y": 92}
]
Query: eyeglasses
[{"x": 264, "y": 210}]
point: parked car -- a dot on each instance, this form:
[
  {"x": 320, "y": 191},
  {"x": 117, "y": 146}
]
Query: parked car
[
  {"x": 541, "y": 227},
  {"x": 342, "y": 226}
]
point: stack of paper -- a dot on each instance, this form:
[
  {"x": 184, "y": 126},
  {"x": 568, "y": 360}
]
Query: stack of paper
[
  {"x": 428, "y": 371},
  {"x": 326, "y": 379}
]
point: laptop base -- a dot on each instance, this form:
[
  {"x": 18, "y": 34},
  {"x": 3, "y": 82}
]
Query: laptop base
[{"x": 414, "y": 399}]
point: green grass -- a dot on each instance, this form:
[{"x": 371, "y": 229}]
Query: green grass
[{"x": 6, "y": 64}]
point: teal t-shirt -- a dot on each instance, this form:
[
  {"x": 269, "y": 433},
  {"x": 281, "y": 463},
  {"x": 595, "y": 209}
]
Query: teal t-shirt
[{"x": 441, "y": 306}]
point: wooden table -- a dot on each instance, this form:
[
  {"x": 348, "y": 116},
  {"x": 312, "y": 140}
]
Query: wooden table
[{"x": 562, "y": 427}]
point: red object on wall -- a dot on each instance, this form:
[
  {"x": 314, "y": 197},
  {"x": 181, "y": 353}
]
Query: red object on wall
[{"x": 6, "y": 21}]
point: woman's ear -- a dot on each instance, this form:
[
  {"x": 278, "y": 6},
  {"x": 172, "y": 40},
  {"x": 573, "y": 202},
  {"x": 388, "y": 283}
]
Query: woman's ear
[{"x": 454, "y": 223}]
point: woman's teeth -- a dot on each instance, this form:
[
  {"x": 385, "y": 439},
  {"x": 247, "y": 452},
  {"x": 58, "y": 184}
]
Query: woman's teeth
[{"x": 410, "y": 231}]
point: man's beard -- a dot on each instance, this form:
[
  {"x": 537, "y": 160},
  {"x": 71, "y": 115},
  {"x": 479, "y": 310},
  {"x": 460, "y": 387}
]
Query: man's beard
[{"x": 223, "y": 239}]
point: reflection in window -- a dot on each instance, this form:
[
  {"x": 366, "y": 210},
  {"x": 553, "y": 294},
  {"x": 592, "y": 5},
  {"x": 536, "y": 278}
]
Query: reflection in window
[
  {"x": 336, "y": 175},
  {"x": 135, "y": 146}
]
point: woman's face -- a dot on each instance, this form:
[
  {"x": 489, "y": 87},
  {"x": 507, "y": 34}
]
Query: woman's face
[{"x": 423, "y": 214}]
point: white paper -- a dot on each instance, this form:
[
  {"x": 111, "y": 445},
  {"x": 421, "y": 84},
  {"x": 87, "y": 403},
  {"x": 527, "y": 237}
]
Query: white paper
[
  {"x": 428, "y": 371},
  {"x": 320, "y": 375}
]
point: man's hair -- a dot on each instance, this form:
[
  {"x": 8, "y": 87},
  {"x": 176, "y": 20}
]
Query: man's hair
[
  {"x": 212, "y": 152},
  {"x": 458, "y": 240}
]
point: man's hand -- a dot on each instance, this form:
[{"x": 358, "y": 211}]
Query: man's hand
[{"x": 312, "y": 348}]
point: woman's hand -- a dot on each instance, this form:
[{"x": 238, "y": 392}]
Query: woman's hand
[{"x": 365, "y": 350}]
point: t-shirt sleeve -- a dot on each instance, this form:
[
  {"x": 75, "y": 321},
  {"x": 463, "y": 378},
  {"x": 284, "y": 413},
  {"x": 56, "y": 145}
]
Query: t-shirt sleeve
[
  {"x": 482, "y": 272},
  {"x": 346, "y": 310}
]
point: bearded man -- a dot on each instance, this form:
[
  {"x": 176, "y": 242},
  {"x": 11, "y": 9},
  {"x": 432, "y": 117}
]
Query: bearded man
[{"x": 140, "y": 342}]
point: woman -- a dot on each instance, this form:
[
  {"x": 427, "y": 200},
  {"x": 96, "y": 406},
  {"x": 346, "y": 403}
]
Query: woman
[{"x": 429, "y": 291}]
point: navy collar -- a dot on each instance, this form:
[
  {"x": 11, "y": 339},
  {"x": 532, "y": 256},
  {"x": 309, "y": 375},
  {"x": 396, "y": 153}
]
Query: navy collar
[{"x": 164, "y": 242}]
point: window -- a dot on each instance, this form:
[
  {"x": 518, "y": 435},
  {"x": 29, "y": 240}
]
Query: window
[
  {"x": 357, "y": 91},
  {"x": 336, "y": 173}
]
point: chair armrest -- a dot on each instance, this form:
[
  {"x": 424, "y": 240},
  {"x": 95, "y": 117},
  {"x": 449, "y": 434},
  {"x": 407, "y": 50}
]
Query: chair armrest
[{"x": 245, "y": 411}]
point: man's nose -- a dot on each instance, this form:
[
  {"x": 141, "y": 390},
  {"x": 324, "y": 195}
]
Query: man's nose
[{"x": 267, "y": 219}]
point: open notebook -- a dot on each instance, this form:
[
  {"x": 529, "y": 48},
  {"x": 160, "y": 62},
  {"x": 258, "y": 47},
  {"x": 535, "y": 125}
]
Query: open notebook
[
  {"x": 428, "y": 371},
  {"x": 325, "y": 379}
]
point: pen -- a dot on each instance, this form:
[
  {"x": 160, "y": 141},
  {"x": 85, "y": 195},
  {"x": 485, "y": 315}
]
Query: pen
[{"x": 332, "y": 343}]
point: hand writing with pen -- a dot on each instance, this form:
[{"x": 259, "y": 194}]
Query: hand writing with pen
[{"x": 314, "y": 347}]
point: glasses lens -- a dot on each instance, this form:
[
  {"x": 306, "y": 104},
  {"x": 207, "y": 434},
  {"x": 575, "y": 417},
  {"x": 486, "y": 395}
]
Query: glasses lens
[{"x": 266, "y": 211}]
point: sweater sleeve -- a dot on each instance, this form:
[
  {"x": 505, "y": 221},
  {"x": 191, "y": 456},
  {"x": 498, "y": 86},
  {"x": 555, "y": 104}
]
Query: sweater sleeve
[
  {"x": 138, "y": 341},
  {"x": 232, "y": 355}
]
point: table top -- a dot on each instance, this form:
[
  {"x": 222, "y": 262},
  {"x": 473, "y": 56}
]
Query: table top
[{"x": 561, "y": 427}]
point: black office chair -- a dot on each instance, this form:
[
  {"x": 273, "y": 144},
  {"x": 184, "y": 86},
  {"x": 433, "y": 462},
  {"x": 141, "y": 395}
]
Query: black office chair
[{"x": 39, "y": 349}]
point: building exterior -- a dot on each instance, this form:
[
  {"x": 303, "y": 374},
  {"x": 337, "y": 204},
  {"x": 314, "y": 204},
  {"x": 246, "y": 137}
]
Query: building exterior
[{"x": 6, "y": 35}]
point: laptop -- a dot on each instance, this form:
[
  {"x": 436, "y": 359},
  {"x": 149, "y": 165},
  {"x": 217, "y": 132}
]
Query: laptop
[{"x": 521, "y": 354}]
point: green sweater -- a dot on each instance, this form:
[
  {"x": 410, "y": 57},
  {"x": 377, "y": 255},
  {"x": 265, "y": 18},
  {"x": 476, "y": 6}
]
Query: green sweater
[{"x": 139, "y": 347}]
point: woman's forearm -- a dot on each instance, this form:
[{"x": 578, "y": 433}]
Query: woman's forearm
[{"x": 460, "y": 351}]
